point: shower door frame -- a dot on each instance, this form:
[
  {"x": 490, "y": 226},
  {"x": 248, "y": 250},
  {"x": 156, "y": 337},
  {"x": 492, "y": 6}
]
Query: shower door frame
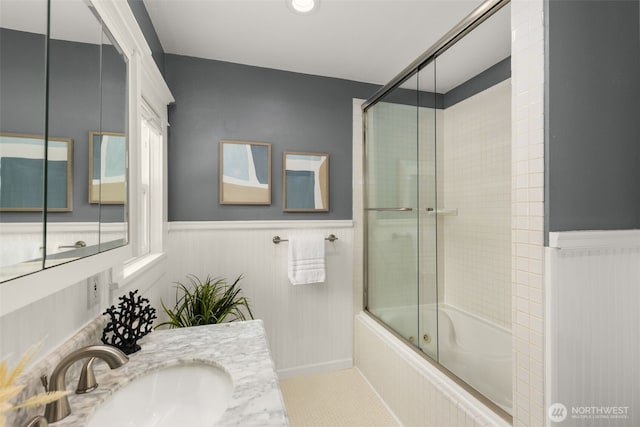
[{"x": 483, "y": 12}]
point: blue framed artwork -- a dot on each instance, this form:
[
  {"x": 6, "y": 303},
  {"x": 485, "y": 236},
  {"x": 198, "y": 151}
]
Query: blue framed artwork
[
  {"x": 245, "y": 173},
  {"x": 107, "y": 168},
  {"x": 22, "y": 173},
  {"x": 305, "y": 179}
]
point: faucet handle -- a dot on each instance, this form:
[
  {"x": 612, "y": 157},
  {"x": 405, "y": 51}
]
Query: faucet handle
[
  {"x": 87, "y": 381},
  {"x": 45, "y": 382}
]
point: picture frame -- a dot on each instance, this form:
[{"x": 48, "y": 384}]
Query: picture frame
[
  {"x": 244, "y": 173},
  {"x": 107, "y": 168},
  {"x": 22, "y": 173},
  {"x": 305, "y": 182}
]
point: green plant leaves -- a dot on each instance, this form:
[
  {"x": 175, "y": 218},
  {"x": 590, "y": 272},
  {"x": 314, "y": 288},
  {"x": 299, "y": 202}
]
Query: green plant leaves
[{"x": 207, "y": 302}]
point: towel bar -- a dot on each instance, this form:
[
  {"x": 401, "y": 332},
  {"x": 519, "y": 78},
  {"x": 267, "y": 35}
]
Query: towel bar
[
  {"x": 276, "y": 239},
  {"x": 77, "y": 245}
]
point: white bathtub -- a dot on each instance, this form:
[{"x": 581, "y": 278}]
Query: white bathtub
[{"x": 475, "y": 350}]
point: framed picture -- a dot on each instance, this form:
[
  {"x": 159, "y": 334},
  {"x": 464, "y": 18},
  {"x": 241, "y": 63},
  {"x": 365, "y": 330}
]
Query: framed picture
[
  {"x": 245, "y": 173},
  {"x": 305, "y": 178},
  {"x": 107, "y": 168},
  {"x": 22, "y": 173}
]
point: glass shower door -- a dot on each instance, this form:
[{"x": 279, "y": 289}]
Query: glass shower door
[
  {"x": 391, "y": 210},
  {"x": 428, "y": 125},
  {"x": 438, "y": 207}
]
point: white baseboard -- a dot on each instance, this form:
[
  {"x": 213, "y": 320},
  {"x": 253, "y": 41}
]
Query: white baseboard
[{"x": 332, "y": 365}]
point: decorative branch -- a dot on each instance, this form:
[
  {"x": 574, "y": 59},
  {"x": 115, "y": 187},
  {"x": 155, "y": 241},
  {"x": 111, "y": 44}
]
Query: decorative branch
[{"x": 129, "y": 322}]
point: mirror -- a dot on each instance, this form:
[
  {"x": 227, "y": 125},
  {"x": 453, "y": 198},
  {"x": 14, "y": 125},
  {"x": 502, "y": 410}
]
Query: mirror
[
  {"x": 85, "y": 112},
  {"x": 112, "y": 157},
  {"x": 23, "y": 32}
]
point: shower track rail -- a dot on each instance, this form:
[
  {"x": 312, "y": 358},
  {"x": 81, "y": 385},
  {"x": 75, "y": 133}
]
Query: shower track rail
[{"x": 471, "y": 21}]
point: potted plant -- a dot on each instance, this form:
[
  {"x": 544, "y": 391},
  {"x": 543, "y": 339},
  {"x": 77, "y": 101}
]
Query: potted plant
[{"x": 206, "y": 302}]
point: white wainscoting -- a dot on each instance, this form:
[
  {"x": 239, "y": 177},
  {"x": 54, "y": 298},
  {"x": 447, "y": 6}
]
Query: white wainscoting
[
  {"x": 58, "y": 234},
  {"x": 309, "y": 327},
  {"x": 593, "y": 343},
  {"x": 21, "y": 250}
]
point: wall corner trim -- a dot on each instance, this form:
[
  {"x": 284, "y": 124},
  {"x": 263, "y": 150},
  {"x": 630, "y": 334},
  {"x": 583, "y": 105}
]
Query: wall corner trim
[
  {"x": 594, "y": 239},
  {"x": 256, "y": 225}
]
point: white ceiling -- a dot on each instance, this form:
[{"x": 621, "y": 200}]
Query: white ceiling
[
  {"x": 70, "y": 20},
  {"x": 363, "y": 40}
]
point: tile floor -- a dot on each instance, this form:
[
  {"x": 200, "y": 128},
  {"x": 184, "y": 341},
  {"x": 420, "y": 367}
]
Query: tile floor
[{"x": 334, "y": 399}]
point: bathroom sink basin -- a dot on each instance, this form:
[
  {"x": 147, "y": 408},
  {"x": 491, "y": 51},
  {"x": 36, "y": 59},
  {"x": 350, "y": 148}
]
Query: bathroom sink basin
[{"x": 194, "y": 394}]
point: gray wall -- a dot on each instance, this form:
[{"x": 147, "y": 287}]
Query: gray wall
[
  {"x": 223, "y": 101},
  {"x": 296, "y": 112},
  {"x": 144, "y": 21},
  {"x": 74, "y": 107},
  {"x": 593, "y": 115},
  {"x": 493, "y": 75}
]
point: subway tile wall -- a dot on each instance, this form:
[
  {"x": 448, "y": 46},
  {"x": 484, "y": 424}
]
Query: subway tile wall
[
  {"x": 527, "y": 70},
  {"x": 476, "y": 241}
]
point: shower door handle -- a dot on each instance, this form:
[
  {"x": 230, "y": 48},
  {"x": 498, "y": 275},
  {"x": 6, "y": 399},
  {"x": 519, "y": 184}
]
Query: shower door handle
[
  {"x": 389, "y": 209},
  {"x": 449, "y": 212}
]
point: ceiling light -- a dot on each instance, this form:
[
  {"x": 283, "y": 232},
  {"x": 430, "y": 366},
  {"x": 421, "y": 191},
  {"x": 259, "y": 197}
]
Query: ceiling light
[{"x": 303, "y": 6}]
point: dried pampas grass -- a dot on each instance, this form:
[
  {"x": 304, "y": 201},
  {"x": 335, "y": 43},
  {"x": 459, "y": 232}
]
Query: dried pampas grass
[{"x": 8, "y": 388}]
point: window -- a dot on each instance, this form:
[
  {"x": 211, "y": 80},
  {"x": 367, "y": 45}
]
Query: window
[
  {"x": 146, "y": 195},
  {"x": 149, "y": 137}
]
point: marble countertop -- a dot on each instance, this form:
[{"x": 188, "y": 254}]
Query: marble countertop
[{"x": 239, "y": 347}]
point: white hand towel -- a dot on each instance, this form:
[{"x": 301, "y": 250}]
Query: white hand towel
[{"x": 306, "y": 259}]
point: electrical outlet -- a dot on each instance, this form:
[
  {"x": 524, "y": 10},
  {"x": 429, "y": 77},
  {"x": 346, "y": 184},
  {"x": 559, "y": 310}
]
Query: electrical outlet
[{"x": 93, "y": 291}]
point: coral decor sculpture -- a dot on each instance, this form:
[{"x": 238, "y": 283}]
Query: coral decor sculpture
[{"x": 129, "y": 322}]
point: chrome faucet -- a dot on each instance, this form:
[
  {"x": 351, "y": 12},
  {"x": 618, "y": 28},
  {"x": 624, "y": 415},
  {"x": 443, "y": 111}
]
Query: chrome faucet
[{"x": 57, "y": 410}]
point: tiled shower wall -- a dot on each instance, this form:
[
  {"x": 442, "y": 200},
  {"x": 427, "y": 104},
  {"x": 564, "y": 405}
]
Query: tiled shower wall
[
  {"x": 477, "y": 182},
  {"x": 527, "y": 83}
]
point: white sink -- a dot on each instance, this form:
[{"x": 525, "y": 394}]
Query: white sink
[{"x": 193, "y": 394}]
